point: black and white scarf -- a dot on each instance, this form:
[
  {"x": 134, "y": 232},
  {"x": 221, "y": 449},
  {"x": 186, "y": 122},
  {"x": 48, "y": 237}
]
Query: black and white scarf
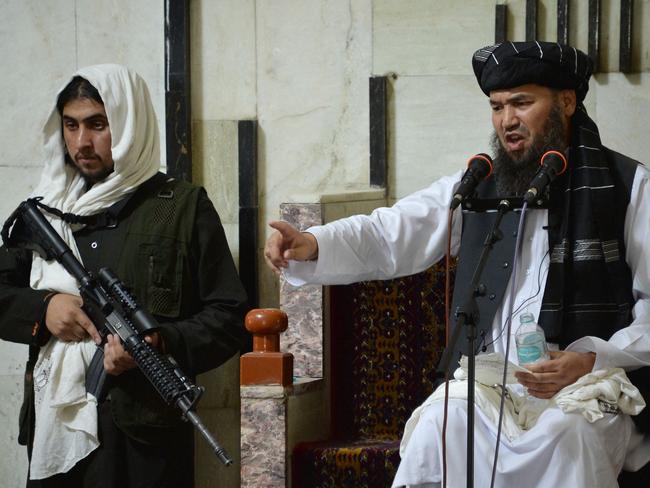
[{"x": 588, "y": 290}]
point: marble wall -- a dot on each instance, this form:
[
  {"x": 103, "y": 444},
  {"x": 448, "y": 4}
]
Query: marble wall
[{"x": 300, "y": 68}]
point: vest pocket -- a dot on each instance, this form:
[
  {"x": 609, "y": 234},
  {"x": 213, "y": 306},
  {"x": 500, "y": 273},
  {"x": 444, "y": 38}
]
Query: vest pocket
[{"x": 160, "y": 273}]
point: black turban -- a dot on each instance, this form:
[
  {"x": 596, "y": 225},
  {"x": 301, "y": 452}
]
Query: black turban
[{"x": 550, "y": 64}]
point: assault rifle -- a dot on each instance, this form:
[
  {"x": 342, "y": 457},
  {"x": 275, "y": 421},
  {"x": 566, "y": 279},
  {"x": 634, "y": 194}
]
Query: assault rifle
[{"x": 113, "y": 310}]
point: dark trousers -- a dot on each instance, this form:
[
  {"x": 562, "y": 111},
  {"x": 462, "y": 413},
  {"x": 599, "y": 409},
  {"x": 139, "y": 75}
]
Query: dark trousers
[{"x": 121, "y": 462}]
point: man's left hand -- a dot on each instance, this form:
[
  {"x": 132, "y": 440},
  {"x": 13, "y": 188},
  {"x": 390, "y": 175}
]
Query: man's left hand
[
  {"x": 546, "y": 378},
  {"x": 117, "y": 360}
]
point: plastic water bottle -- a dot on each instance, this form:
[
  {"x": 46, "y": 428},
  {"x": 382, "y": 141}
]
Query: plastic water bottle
[{"x": 530, "y": 340}]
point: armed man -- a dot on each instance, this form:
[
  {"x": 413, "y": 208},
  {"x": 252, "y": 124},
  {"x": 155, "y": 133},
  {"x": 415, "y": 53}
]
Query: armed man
[{"x": 164, "y": 240}]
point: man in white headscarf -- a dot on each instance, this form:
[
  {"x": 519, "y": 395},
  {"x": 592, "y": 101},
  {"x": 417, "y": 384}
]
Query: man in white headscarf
[{"x": 164, "y": 239}]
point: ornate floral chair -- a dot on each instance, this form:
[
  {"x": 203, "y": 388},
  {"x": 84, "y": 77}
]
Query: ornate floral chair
[{"x": 387, "y": 337}]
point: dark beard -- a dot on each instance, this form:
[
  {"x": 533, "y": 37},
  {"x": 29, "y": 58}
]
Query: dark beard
[
  {"x": 90, "y": 180},
  {"x": 513, "y": 175}
]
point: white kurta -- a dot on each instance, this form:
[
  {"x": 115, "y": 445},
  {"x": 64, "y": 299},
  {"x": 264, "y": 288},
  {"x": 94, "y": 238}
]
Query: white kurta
[{"x": 408, "y": 238}]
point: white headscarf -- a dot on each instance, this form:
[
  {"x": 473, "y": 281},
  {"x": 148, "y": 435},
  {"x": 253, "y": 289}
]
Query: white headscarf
[
  {"x": 66, "y": 417},
  {"x": 135, "y": 148}
]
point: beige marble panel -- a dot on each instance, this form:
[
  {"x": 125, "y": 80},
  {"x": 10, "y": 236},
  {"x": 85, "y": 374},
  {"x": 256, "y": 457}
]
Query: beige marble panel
[
  {"x": 215, "y": 164},
  {"x": 38, "y": 54},
  {"x": 13, "y": 461},
  {"x": 223, "y": 59},
  {"x": 623, "y": 106},
  {"x": 546, "y": 19},
  {"x": 590, "y": 101},
  {"x": 425, "y": 37},
  {"x": 269, "y": 286},
  {"x": 16, "y": 184},
  {"x": 209, "y": 471},
  {"x": 610, "y": 26},
  {"x": 129, "y": 33},
  {"x": 221, "y": 386},
  {"x": 232, "y": 236},
  {"x": 219, "y": 409},
  {"x": 641, "y": 38},
  {"x": 335, "y": 211},
  {"x": 313, "y": 70},
  {"x": 579, "y": 24},
  {"x": 307, "y": 416},
  {"x": 516, "y": 19},
  {"x": 436, "y": 123}
]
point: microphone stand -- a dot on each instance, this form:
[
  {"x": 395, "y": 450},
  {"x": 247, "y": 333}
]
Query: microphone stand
[{"x": 468, "y": 317}]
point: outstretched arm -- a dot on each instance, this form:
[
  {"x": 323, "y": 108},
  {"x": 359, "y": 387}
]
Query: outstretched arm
[
  {"x": 287, "y": 243},
  {"x": 390, "y": 242}
]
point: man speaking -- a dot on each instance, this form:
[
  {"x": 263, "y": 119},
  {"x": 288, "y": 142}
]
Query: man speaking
[{"x": 585, "y": 278}]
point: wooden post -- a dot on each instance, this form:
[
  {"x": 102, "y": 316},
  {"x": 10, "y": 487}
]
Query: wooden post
[{"x": 266, "y": 365}]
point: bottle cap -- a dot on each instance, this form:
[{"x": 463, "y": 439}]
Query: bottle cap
[{"x": 524, "y": 318}]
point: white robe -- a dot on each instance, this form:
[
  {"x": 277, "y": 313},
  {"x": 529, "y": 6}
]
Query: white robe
[{"x": 408, "y": 238}]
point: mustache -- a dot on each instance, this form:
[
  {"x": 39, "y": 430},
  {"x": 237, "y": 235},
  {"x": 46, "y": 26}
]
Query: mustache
[
  {"x": 83, "y": 155},
  {"x": 521, "y": 131}
]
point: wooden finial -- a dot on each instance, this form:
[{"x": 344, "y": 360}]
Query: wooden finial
[{"x": 266, "y": 365}]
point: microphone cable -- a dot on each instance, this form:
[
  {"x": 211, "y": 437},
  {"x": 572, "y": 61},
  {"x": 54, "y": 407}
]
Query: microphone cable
[
  {"x": 522, "y": 304},
  {"x": 513, "y": 282}
]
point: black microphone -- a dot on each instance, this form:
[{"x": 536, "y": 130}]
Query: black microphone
[
  {"x": 553, "y": 164},
  {"x": 479, "y": 167}
]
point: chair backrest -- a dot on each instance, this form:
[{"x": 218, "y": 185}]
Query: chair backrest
[{"x": 386, "y": 341}]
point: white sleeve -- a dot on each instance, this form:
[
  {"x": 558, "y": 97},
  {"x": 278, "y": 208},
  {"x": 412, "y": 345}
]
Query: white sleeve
[
  {"x": 629, "y": 348},
  {"x": 392, "y": 241}
]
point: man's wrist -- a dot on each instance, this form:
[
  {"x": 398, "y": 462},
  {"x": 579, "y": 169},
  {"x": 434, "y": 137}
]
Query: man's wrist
[
  {"x": 40, "y": 333},
  {"x": 313, "y": 245},
  {"x": 592, "y": 360}
]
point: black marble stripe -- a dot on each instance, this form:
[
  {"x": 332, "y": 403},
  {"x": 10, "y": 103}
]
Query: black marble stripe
[
  {"x": 531, "y": 20},
  {"x": 178, "y": 127},
  {"x": 248, "y": 209},
  {"x": 594, "y": 33},
  {"x": 625, "y": 44},
  {"x": 378, "y": 133},
  {"x": 563, "y": 21},
  {"x": 500, "y": 23}
]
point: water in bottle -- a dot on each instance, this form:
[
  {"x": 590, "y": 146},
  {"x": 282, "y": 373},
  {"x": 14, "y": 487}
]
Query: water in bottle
[{"x": 530, "y": 341}]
